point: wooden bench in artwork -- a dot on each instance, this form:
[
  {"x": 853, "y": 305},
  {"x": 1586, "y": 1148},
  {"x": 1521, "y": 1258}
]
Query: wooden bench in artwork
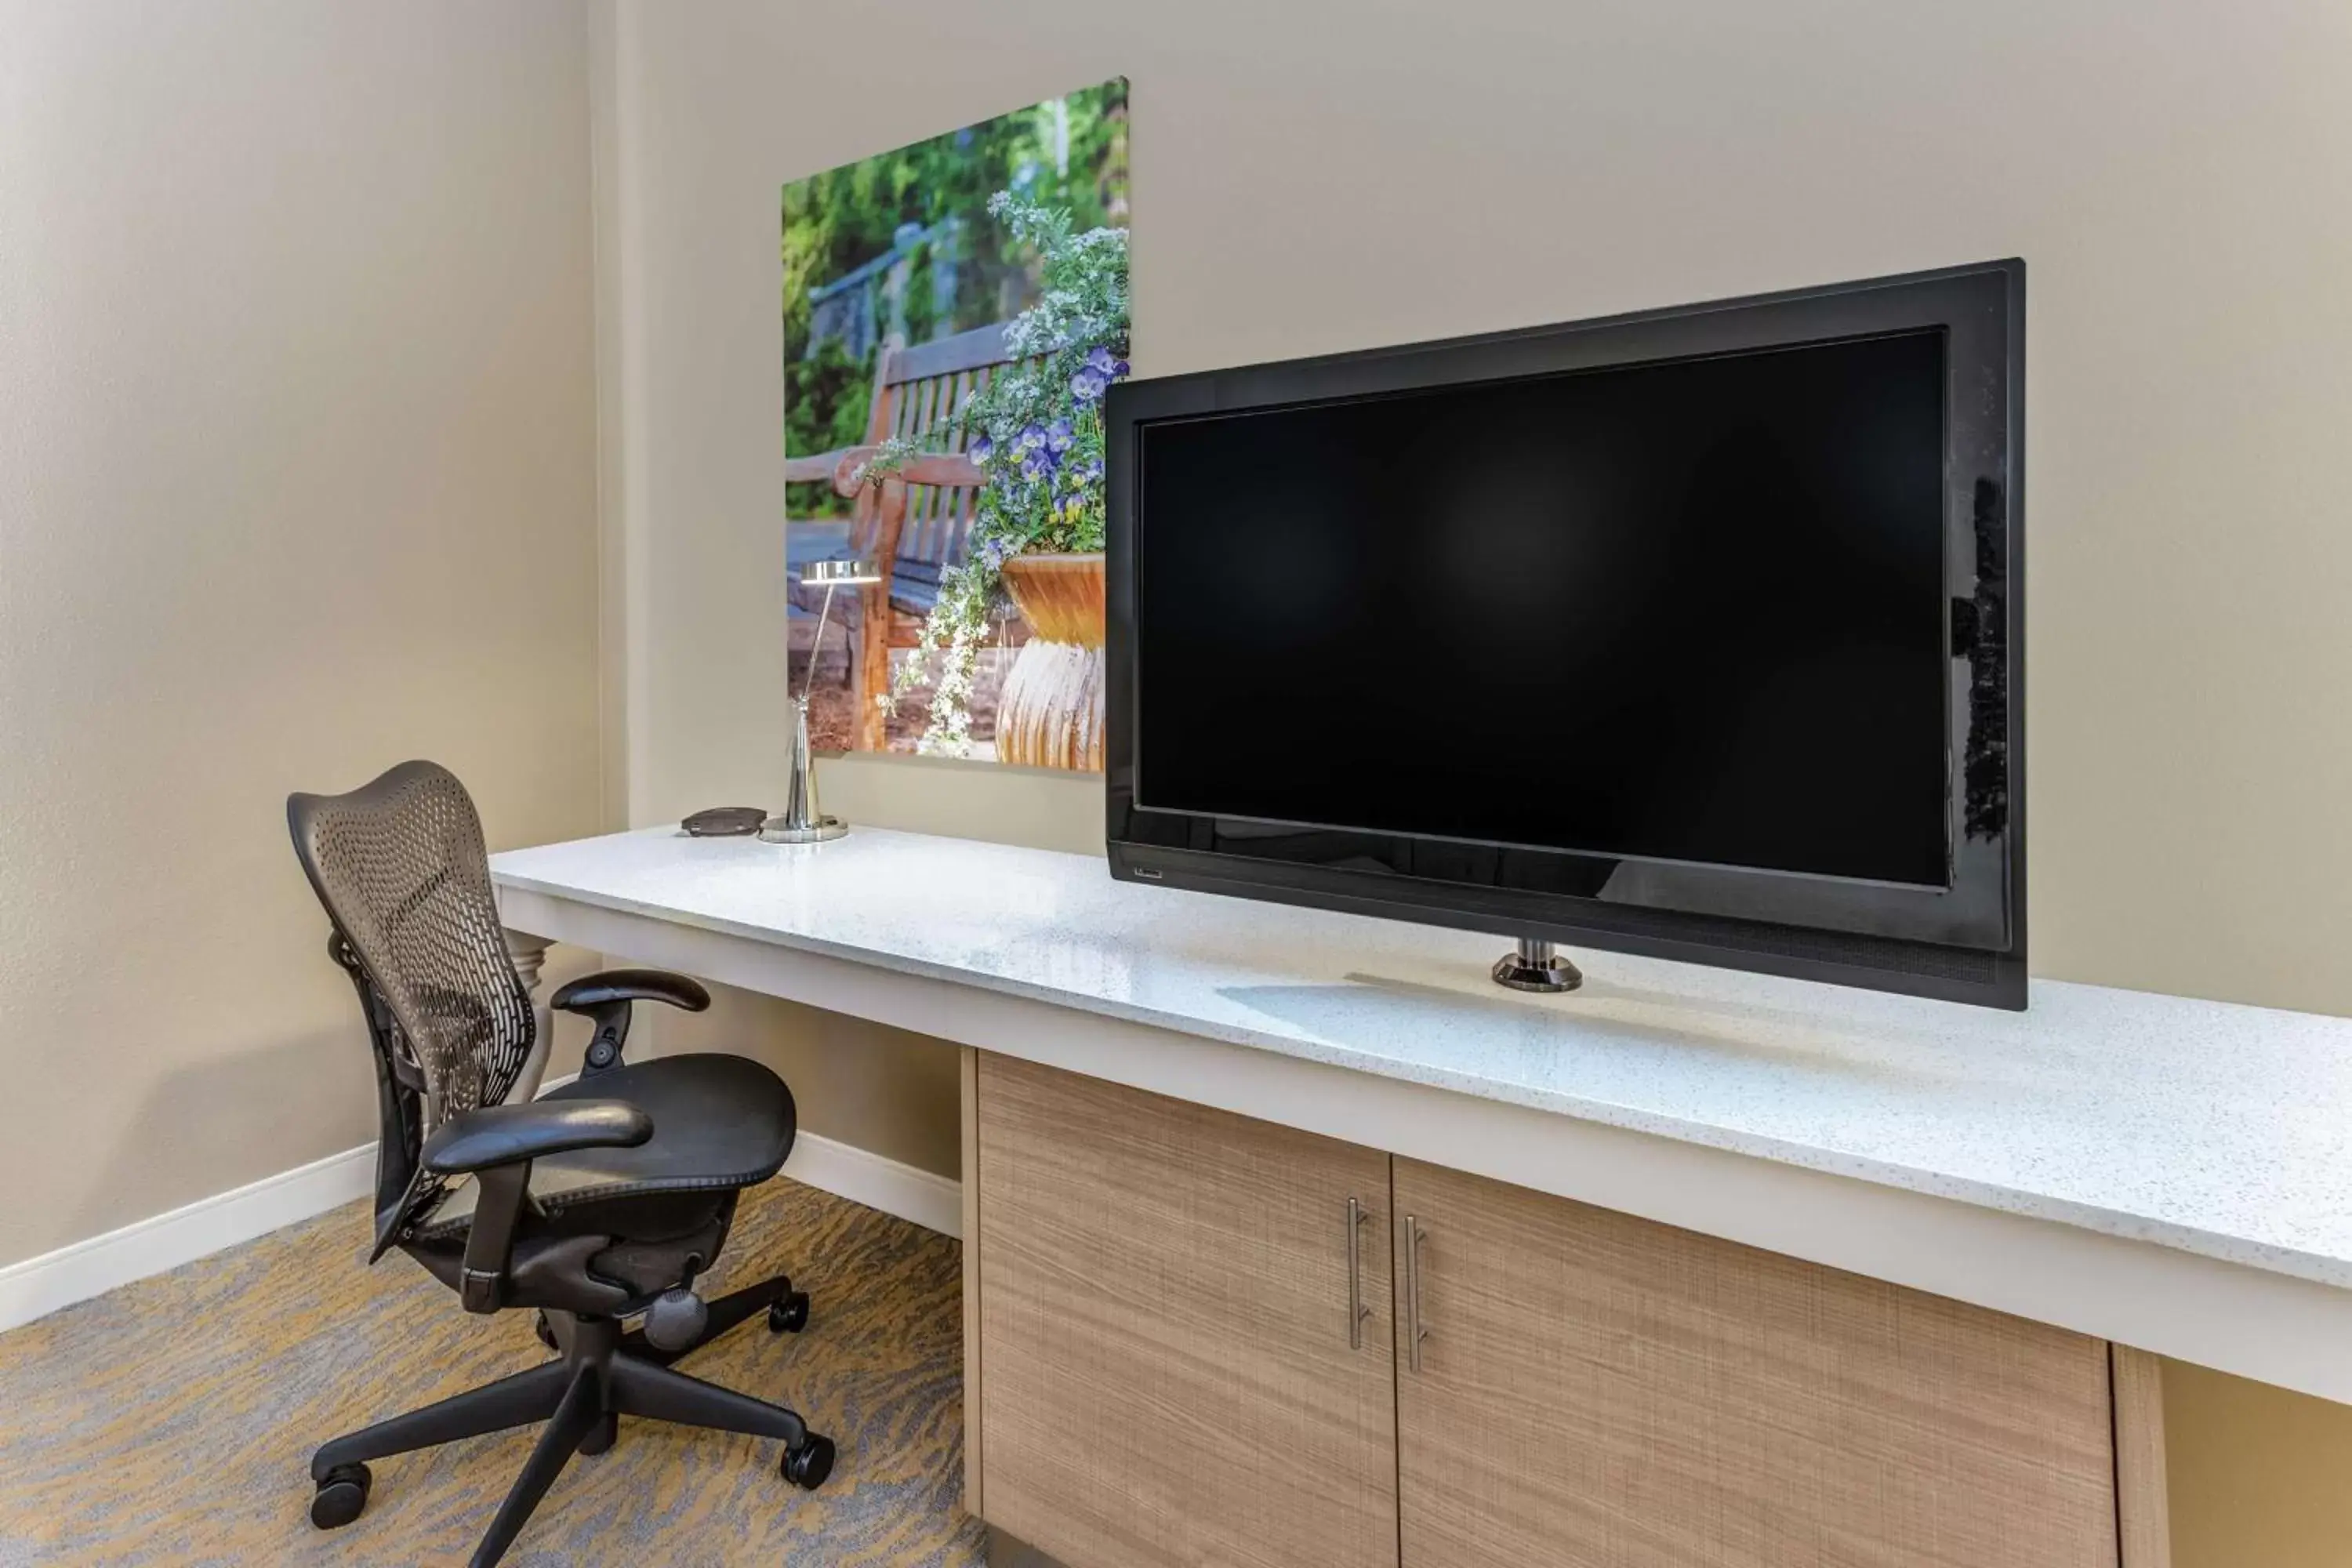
[{"x": 919, "y": 519}]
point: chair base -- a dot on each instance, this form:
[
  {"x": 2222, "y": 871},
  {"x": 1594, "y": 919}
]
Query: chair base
[{"x": 601, "y": 1375}]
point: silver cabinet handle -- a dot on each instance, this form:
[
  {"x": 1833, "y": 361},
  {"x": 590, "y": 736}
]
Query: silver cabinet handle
[
  {"x": 1415, "y": 1329},
  {"x": 1357, "y": 1308}
]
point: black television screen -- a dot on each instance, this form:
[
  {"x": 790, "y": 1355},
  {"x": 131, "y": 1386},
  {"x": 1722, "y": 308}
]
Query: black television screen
[
  {"x": 1688, "y": 611},
  {"x": 1696, "y": 632}
]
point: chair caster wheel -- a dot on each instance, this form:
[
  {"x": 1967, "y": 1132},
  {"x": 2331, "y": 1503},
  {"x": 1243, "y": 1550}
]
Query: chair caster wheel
[
  {"x": 546, "y": 1331},
  {"x": 790, "y": 1314},
  {"x": 807, "y": 1466},
  {"x": 602, "y": 1436},
  {"x": 341, "y": 1496}
]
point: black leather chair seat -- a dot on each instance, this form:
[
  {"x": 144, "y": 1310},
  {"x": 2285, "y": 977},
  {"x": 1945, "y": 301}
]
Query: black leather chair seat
[{"x": 721, "y": 1122}]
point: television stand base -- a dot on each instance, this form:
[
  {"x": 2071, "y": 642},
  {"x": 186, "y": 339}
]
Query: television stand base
[{"x": 1534, "y": 966}]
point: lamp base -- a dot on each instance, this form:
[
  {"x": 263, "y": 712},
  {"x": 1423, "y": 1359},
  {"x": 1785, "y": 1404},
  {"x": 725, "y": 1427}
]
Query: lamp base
[
  {"x": 1534, "y": 966},
  {"x": 800, "y": 822},
  {"x": 776, "y": 830}
]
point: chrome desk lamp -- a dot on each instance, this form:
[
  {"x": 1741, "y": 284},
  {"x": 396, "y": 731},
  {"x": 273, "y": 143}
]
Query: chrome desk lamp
[{"x": 800, "y": 822}]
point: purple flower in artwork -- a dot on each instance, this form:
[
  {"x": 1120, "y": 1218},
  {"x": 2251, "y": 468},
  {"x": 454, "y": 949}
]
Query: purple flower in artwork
[
  {"x": 1096, "y": 372},
  {"x": 1032, "y": 436},
  {"x": 1057, "y": 436},
  {"x": 979, "y": 448},
  {"x": 1092, "y": 469},
  {"x": 993, "y": 551}
]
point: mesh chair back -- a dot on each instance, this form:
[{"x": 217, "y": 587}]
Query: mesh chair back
[{"x": 400, "y": 865}]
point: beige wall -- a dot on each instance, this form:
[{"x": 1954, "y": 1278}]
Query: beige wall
[
  {"x": 297, "y": 479},
  {"x": 1326, "y": 174},
  {"x": 299, "y": 471}
]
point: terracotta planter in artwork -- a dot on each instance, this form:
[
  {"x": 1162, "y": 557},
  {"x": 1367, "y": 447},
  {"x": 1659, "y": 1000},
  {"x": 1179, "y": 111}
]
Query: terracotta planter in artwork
[{"x": 1051, "y": 712}]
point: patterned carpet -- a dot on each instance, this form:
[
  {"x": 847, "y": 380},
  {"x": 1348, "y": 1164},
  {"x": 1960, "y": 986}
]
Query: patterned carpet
[{"x": 172, "y": 1421}]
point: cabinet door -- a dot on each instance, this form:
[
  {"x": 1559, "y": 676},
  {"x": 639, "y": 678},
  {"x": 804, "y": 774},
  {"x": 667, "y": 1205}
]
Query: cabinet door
[
  {"x": 1597, "y": 1391},
  {"x": 1167, "y": 1375}
]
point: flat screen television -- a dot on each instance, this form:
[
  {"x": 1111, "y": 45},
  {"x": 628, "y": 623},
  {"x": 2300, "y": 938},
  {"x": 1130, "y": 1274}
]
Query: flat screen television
[{"x": 1696, "y": 632}]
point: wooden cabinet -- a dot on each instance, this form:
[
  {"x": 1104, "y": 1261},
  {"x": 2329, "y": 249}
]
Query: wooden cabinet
[
  {"x": 1165, "y": 1371},
  {"x": 1160, "y": 1371},
  {"x": 1596, "y": 1389}
]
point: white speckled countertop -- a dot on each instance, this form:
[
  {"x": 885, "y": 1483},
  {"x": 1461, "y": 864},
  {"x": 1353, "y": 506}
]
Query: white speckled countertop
[{"x": 2216, "y": 1129}]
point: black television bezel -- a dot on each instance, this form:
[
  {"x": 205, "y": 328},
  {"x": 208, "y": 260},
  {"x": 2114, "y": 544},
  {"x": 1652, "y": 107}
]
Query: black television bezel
[{"x": 1964, "y": 942}]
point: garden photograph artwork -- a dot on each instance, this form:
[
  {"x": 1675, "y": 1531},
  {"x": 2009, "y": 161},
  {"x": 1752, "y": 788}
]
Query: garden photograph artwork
[{"x": 954, "y": 312}]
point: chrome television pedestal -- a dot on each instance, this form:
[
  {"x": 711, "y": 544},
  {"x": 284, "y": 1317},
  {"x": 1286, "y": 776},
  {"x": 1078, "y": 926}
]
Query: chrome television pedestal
[{"x": 1534, "y": 966}]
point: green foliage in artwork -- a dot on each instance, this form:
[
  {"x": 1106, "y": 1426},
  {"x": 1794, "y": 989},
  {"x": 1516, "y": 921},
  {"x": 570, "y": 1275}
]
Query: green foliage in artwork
[
  {"x": 957, "y": 271},
  {"x": 1037, "y": 430},
  {"x": 829, "y": 414}
]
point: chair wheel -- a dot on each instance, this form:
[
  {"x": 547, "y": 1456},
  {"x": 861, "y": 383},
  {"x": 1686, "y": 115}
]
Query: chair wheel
[
  {"x": 602, "y": 1436},
  {"x": 340, "y": 1496},
  {"x": 807, "y": 1466},
  {"x": 546, "y": 1331},
  {"x": 790, "y": 1314}
]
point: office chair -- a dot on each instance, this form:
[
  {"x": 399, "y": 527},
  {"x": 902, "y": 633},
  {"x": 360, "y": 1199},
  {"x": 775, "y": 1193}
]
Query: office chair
[{"x": 597, "y": 1203}]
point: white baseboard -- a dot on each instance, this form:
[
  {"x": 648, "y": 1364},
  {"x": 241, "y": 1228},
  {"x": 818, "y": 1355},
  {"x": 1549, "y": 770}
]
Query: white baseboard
[
  {"x": 933, "y": 1201},
  {"x": 39, "y": 1286}
]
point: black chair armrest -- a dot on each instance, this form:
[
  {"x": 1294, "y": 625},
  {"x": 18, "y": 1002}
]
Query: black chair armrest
[
  {"x": 606, "y": 997},
  {"x": 592, "y": 992},
  {"x": 495, "y": 1145},
  {"x": 508, "y": 1134}
]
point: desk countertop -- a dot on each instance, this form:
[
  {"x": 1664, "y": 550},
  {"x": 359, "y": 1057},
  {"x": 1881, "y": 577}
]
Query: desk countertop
[{"x": 2218, "y": 1129}]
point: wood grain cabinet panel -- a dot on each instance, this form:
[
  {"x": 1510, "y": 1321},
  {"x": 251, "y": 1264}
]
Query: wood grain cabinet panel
[
  {"x": 1168, "y": 1377},
  {"x": 1597, "y": 1391}
]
